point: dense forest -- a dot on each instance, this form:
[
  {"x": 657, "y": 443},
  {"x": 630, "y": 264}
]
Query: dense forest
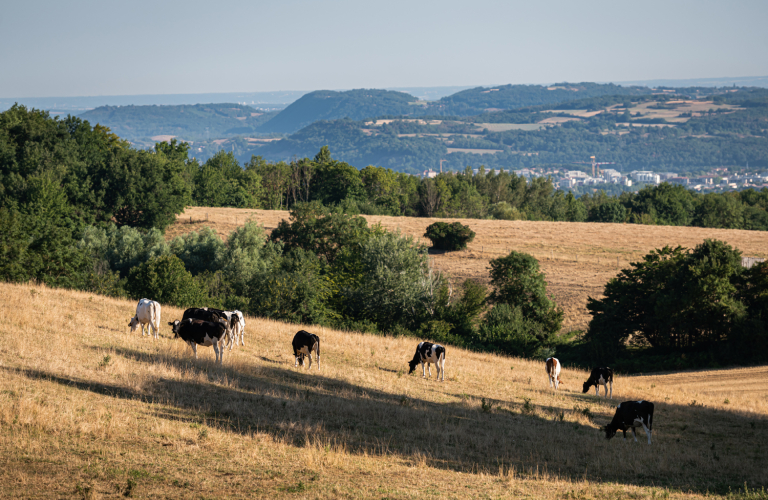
[{"x": 80, "y": 208}]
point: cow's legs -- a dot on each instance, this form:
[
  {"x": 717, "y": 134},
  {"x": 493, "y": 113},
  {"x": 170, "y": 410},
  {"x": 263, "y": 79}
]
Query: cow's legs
[
  {"x": 310, "y": 360},
  {"x": 317, "y": 353},
  {"x": 423, "y": 371},
  {"x": 429, "y": 369},
  {"x": 611, "y": 384},
  {"x": 193, "y": 346},
  {"x": 635, "y": 433},
  {"x": 647, "y": 432},
  {"x": 441, "y": 366},
  {"x": 597, "y": 390}
]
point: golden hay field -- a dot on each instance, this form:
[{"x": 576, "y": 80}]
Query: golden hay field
[
  {"x": 577, "y": 258},
  {"x": 89, "y": 410}
]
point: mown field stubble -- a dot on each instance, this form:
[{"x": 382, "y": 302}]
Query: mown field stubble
[
  {"x": 88, "y": 409},
  {"x": 577, "y": 258}
]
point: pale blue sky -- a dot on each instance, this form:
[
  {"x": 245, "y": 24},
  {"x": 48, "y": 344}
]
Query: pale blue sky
[{"x": 79, "y": 47}]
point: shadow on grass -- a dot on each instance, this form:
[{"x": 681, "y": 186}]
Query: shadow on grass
[{"x": 695, "y": 448}]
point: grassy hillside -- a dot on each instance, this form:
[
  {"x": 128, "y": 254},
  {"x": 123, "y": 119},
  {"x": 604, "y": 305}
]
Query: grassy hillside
[
  {"x": 187, "y": 122},
  {"x": 89, "y": 410}
]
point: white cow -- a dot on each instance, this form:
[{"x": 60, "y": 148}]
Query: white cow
[
  {"x": 237, "y": 324},
  {"x": 147, "y": 313}
]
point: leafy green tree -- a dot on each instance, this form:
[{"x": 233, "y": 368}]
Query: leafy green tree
[
  {"x": 335, "y": 181},
  {"x": 165, "y": 280},
  {"x": 671, "y": 299},
  {"x": 318, "y": 229},
  {"x": 667, "y": 204},
  {"x": 389, "y": 281},
  {"x": 296, "y": 290},
  {"x": 610, "y": 211},
  {"x": 203, "y": 251},
  {"x": 123, "y": 248},
  {"x": 720, "y": 211},
  {"x": 517, "y": 282}
]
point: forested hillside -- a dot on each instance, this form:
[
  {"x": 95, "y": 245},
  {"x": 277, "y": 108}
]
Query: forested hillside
[
  {"x": 329, "y": 105},
  {"x": 189, "y": 122},
  {"x": 644, "y": 132}
]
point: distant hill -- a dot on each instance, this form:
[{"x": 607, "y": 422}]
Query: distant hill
[
  {"x": 647, "y": 132},
  {"x": 188, "y": 122},
  {"x": 330, "y": 105},
  {"x": 481, "y": 99}
]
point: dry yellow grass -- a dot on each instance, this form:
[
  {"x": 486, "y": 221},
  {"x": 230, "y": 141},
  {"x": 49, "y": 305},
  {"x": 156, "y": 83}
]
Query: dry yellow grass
[
  {"x": 87, "y": 409},
  {"x": 577, "y": 258}
]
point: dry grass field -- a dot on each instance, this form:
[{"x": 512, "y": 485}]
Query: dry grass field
[
  {"x": 577, "y": 258},
  {"x": 89, "y": 410}
]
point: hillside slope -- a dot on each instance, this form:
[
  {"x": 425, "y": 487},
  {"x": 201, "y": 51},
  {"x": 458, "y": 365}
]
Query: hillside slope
[
  {"x": 578, "y": 258},
  {"x": 107, "y": 413},
  {"x": 330, "y": 105},
  {"x": 188, "y": 122}
]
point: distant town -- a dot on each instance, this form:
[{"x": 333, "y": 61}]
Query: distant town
[{"x": 717, "y": 180}]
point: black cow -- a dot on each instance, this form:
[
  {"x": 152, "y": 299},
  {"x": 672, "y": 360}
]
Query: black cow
[
  {"x": 206, "y": 333},
  {"x": 427, "y": 352},
  {"x": 631, "y": 414},
  {"x": 598, "y": 377},
  {"x": 303, "y": 345}
]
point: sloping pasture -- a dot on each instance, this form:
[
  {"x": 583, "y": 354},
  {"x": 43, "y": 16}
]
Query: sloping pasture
[{"x": 89, "y": 410}]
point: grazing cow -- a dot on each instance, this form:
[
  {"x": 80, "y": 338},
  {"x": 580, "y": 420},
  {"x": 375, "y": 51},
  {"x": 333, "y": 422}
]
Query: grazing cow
[
  {"x": 206, "y": 333},
  {"x": 427, "y": 352},
  {"x": 598, "y": 377},
  {"x": 631, "y": 414},
  {"x": 553, "y": 372},
  {"x": 303, "y": 345},
  {"x": 147, "y": 313},
  {"x": 238, "y": 328}
]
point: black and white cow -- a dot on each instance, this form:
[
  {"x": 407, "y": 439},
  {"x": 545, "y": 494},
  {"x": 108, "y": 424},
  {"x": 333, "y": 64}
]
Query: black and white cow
[
  {"x": 237, "y": 325},
  {"x": 428, "y": 353},
  {"x": 631, "y": 414},
  {"x": 212, "y": 315},
  {"x": 303, "y": 345},
  {"x": 206, "y": 333},
  {"x": 553, "y": 371},
  {"x": 598, "y": 377}
]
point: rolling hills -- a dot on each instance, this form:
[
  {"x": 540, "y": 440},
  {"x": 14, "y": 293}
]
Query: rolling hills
[{"x": 106, "y": 413}]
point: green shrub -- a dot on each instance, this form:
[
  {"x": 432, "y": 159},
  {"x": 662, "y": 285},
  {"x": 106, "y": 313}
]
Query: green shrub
[
  {"x": 450, "y": 237},
  {"x": 166, "y": 280}
]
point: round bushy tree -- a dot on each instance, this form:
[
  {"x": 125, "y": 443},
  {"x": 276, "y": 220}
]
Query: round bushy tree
[
  {"x": 166, "y": 280},
  {"x": 450, "y": 237},
  {"x": 518, "y": 283}
]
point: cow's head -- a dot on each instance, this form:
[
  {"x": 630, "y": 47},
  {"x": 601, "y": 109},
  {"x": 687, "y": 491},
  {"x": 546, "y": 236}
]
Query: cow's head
[
  {"x": 134, "y": 323},
  {"x": 300, "y": 357},
  {"x": 412, "y": 365},
  {"x": 610, "y": 431},
  {"x": 175, "y": 327},
  {"x": 586, "y": 386}
]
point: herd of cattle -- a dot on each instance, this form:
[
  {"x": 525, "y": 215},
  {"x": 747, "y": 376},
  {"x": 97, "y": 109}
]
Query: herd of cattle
[{"x": 213, "y": 327}]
